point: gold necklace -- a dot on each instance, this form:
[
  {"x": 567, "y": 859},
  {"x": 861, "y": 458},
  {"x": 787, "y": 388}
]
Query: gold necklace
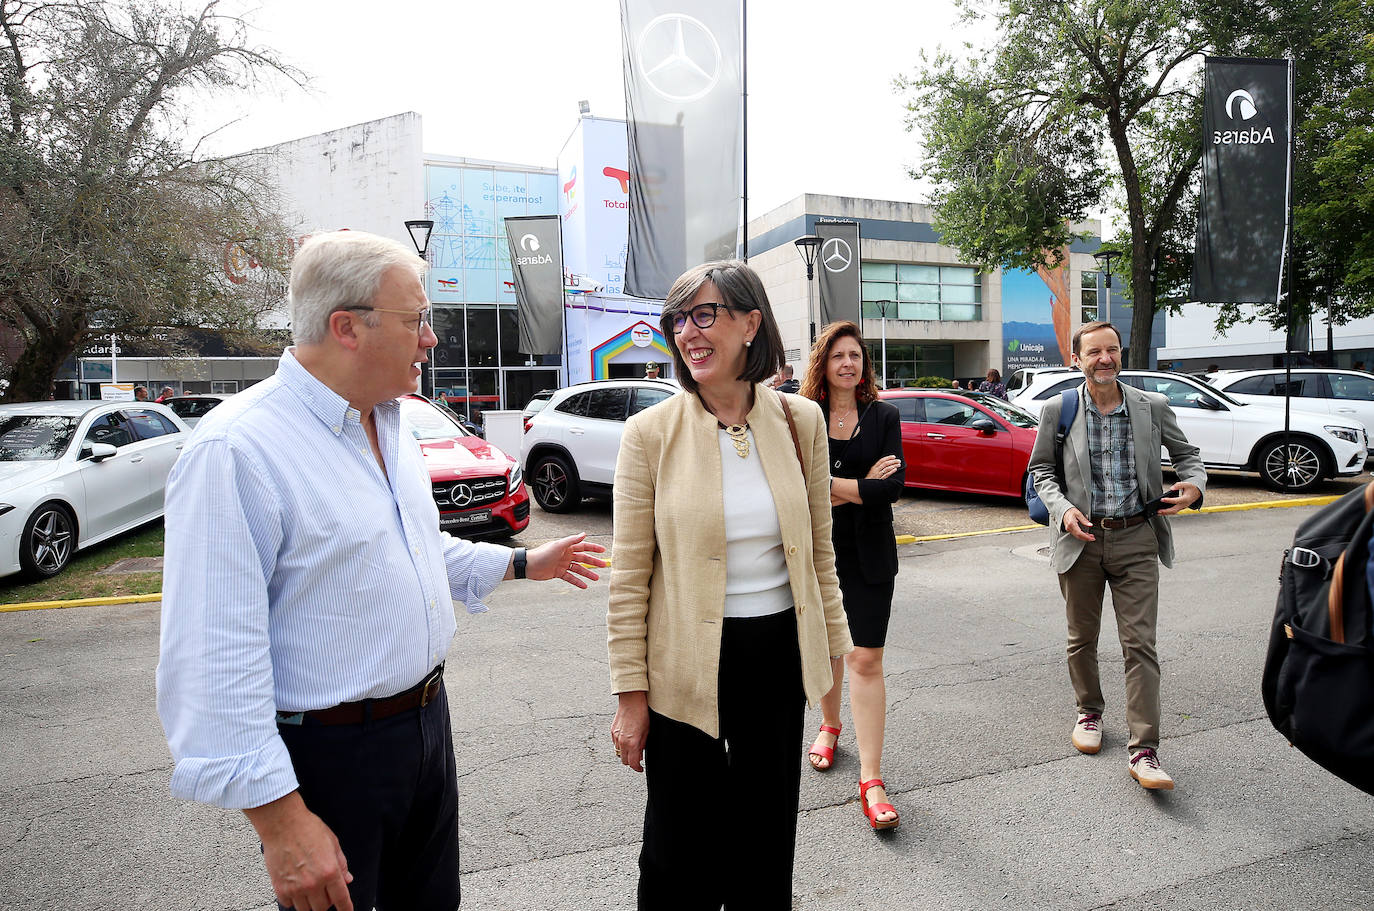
[{"x": 739, "y": 435}]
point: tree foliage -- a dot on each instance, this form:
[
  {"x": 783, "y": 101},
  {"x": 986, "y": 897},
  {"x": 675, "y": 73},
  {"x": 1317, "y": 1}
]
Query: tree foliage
[
  {"x": 1084, "y": 102},
  {"x": 111, "y": 221}
]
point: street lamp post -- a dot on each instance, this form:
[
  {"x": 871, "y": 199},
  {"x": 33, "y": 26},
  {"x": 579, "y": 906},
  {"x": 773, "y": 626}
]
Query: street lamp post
[
  {"x": 882, "y": 308},
  {"x": 419, "y": 230},
  {"x": 809, "y": 246},
  {"x": 1104, "y": 259}
]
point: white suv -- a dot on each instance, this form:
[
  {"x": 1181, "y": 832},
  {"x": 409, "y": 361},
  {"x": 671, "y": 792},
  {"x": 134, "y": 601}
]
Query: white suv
[
  {"x": 1235, "y": 435},
  {"x": 1319, "y": 390},
  {"x": 570, "y": 446}
]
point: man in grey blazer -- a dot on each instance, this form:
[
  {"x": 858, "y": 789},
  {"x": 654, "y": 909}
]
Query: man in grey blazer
[{"x": 1106, "y": 531}]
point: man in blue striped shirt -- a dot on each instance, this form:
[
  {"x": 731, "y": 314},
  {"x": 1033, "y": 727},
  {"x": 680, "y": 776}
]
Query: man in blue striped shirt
[{"x": 308, "y": 599}]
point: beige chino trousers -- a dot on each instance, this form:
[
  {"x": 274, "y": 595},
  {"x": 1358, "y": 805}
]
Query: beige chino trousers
[{"x": 1127, "y": 559}]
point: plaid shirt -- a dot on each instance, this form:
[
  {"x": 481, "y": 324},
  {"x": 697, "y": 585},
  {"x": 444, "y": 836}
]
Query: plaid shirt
[{"x": 1111, "y": 452}]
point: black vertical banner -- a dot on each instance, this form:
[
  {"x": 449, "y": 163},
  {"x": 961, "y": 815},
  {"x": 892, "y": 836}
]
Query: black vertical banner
[
  {"x": 1247, "y": 116},
  {"x": 683, "y": 101},
  {"x": 838, "y": 265},
  {"x": 536, "y": 258}
]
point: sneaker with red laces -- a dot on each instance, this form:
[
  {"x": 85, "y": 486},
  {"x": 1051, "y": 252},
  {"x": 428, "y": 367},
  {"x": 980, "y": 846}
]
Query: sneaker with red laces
[
  {"x": 1087, "y": 733},
  {"x": 1146, "y": 770}
]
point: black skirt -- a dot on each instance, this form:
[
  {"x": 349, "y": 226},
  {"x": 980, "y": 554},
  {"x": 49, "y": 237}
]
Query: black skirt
[{"x": 867, "y": 605}]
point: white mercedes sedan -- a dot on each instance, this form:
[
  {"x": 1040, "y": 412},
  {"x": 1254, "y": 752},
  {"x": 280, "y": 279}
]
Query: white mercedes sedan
[{"x": 73, "y": 474}]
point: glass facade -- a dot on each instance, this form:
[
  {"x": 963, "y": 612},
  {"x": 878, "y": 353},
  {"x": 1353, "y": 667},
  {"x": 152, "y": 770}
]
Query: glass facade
[
  {"x": 1088, "y": 288},
  {"x": 914, "y": 291},
  {"x": 476, "y": 364},
  {"x": 907, "y": 361}
]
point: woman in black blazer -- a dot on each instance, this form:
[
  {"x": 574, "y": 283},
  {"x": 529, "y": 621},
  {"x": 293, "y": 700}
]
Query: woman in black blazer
[{"x": 867, "y": 477}]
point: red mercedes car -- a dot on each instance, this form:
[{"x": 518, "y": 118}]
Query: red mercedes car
[
  {"x": 966, "y": 441},
  {"x": 479, "y": 489}
]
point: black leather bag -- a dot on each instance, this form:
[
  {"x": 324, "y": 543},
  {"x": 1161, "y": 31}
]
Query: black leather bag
[{"x": 1318, "y": 683}]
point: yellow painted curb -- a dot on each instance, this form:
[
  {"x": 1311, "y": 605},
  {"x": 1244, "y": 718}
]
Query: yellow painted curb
[
  {"x": 80, "y": 602},
  {"x": 901, "y": 539},
  {"x": 1234, "y": 507}
]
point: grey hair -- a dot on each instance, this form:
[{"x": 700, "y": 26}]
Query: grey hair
[{"x": 341, "y": 269}]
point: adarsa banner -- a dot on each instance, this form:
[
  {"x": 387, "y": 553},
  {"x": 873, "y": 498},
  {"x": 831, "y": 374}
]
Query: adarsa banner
[{"x": 1243, "y": 212}]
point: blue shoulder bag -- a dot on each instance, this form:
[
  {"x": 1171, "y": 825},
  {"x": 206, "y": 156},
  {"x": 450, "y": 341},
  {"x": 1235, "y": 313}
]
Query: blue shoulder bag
[{"x": 1068, "y": 410}]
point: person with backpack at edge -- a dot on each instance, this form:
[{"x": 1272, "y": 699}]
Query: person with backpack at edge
[{"x": 1112, "y": 472}]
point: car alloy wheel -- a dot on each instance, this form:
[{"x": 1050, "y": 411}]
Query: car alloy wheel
[
  {"x": 49, "y": 537},
  {"x": 1296, "y": 470},
  {"x": 555, "y": 485}
]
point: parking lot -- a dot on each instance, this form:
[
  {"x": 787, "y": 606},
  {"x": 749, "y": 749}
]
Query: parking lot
[
  {"x": 921, "y": 513},
  {"x": 998, "y": 810}
]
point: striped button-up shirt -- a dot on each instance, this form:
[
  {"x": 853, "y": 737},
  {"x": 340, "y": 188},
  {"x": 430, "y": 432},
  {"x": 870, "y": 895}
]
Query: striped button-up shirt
[
  {"x": 1111, "y": 453},
  {"x": 298, "y": 576}
]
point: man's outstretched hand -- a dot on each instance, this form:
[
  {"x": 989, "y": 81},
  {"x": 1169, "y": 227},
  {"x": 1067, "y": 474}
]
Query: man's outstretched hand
[{"x": 569, "y": 559}]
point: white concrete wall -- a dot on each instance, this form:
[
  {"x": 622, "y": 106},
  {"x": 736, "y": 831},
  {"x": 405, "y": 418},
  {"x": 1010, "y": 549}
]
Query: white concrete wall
[
  {"x": 1193, "y": 334},
  {"x": 364, "y": 177}
]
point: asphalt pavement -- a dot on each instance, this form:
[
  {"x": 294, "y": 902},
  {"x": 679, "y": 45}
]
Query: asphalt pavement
[{"x": 998, "y": 809}]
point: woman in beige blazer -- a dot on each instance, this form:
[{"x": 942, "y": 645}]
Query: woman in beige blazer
[{"x": 724, "y": 605}]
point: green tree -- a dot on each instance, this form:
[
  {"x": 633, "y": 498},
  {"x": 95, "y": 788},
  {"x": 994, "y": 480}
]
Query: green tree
[
  {"x": 111, "y": 221},
  {"x": 1084, "y": 102}
]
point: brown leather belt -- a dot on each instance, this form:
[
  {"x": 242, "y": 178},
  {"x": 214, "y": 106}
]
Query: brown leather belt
[
  {"x": 1128, "y": 522},
  {"x": 418, "y": 696}
]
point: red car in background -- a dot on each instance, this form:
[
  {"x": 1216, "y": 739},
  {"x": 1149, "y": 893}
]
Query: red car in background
[
  {"x": 480, "y": 491},
  {"x": 973, "y": 442}
]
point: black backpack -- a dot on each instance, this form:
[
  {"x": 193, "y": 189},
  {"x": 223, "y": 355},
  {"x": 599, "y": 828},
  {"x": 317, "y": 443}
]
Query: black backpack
[
  {"x": 1318, "y": 681},
  {"x": 1068, "y": 410}
]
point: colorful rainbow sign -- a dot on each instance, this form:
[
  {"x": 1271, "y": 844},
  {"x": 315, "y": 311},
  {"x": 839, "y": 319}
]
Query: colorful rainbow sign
[{"x": 639, "y": 335}]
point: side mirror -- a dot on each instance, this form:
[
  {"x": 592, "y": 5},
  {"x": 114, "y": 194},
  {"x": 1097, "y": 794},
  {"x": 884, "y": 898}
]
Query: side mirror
[
  {"x": 1206, "y": 401},
  {"x": 101, "y": 451},
  {"x": 984, "y": 426}
]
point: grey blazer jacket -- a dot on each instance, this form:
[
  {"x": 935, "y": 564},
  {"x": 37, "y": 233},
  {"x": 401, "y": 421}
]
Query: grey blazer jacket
[{"x": 1153, "y": 425}]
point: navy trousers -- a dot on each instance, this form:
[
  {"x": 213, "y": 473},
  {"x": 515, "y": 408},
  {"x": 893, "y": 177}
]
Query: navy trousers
[{"x": 389, "y": 791}]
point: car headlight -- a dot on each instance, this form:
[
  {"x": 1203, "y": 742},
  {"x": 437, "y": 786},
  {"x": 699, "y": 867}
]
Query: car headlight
[
  {"x": 516, "y": 476},
  {"x": 1344, "y": 433}
]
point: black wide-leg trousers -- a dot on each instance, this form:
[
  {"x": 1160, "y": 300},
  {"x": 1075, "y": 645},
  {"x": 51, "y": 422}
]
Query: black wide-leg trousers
[
  {"x": 720, "y": 825},
  {"x": 389, "y": 791}
]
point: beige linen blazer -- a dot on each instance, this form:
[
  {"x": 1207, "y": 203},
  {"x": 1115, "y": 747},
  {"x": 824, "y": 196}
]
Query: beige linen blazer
[{"x": 667, "y": 589}]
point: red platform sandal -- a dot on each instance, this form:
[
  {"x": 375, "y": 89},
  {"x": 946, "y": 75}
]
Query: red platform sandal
[
  {"x": 826, "y": 753},
  {"x": 872, "y": 811}
]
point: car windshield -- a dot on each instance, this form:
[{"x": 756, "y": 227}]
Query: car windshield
[
  {"x": 427, "y": 422},
  {"x": 1016, "y": 417},
  {"x": 35, "y": 437},
  {"x": 1219, "y": 393}
]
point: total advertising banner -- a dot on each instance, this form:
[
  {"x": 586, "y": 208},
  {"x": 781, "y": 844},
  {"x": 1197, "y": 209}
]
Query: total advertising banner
[
  {"x": 1243, "y": 210},
  {"x": 594, "y": 188},
  {"x": 1029, "y": 332},
  {"x": 537, "y": 267},
  {"x": 838, "y": 265},
  {"x": 683, "y": 96},
  {"x": 603, "y": 332}
]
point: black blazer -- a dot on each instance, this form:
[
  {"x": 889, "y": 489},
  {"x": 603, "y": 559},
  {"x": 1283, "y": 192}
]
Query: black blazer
[{"x": 869, "y": 524}]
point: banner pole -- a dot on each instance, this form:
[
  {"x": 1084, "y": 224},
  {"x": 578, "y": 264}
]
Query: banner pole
[
  {"x": 1286, "y": 263},
  {"x": 744, "y": 117}
]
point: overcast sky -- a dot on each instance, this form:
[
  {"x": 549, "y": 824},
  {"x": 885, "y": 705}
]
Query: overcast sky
[{"x": 501, "y": 81}]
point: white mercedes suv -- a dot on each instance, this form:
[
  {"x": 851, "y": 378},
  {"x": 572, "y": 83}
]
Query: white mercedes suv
[
  {"x": 1235, "y": 435},
  {"x": 570, "y": 446}
]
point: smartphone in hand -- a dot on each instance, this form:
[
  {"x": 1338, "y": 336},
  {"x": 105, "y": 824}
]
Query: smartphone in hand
[{"x": 1154, "y": 507}]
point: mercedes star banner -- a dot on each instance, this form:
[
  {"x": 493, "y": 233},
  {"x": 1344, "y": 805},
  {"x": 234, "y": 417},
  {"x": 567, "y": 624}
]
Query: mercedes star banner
[{"x": 683, "y": 103}]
